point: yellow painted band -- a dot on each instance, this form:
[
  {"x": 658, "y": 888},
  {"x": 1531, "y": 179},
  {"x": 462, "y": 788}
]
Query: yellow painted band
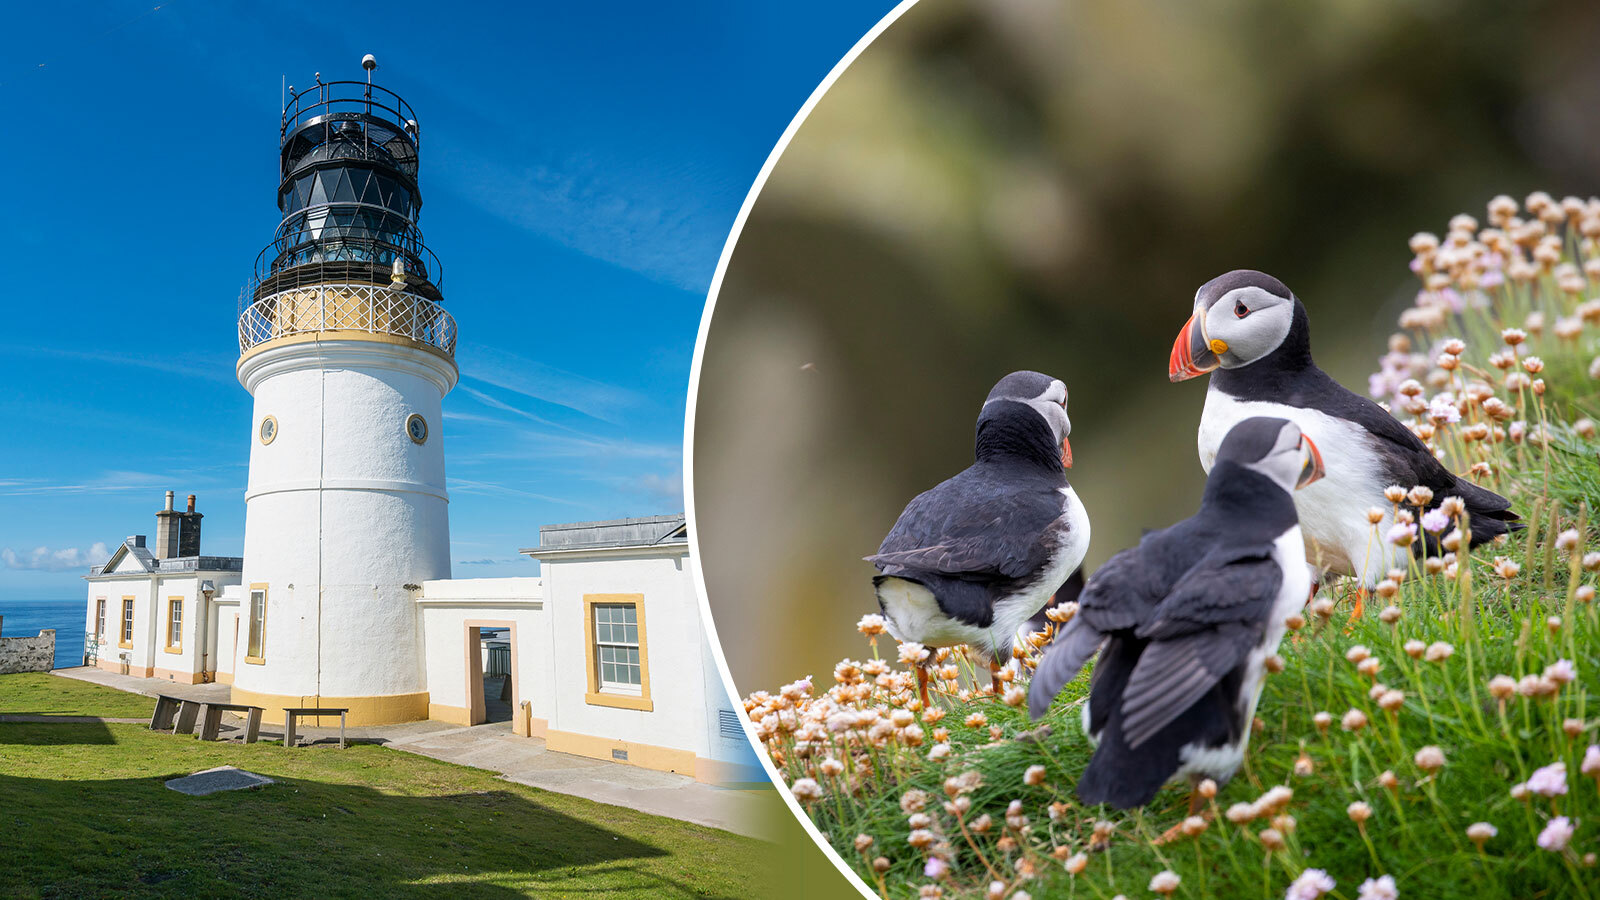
[
  {"x": 176, "y": 675},
  {"x": 662, "y": 759},
  {"x": 386, "y": 709},
  {"x": 455, "y": 715},
  {"x": 340, "y": 334}
]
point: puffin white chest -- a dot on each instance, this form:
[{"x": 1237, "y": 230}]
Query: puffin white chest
[{"x": 1332, "y": 510}]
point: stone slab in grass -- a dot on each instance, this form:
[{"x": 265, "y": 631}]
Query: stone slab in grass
[{"x": 211, "y": 781}]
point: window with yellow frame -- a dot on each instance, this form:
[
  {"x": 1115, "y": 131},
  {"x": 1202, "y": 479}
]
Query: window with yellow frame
[
  {"x": 174, "y": 625},
  {"x": 125, "y": 636},
  {"x": 256, "y": 635},
  {"x": 618, "y": 660}
]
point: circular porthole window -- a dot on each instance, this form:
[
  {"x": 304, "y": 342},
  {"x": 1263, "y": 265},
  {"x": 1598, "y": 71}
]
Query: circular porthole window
[
  {"x": 417, "y": 428},
  {"x": 268, "y": 431}
]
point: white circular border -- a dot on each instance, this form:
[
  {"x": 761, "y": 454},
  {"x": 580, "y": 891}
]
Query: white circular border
[{"x": 688, "y": 439}]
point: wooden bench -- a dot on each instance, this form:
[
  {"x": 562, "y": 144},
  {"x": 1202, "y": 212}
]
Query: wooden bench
[
  {"x": 213, "y": 720},
  {"x": 188, "y": 711},
  {"x": 166, "y": 710},
  {"x": 291, "y": 714}
]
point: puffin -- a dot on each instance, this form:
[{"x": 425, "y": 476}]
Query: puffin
[
  {"x": 974, "y": 557},
  {"x": 1184, "y": 623},
  {"x": 1252, "y": 333}
]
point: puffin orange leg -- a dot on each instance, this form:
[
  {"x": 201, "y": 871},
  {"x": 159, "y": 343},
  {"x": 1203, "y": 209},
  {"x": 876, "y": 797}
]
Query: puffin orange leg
[
  {"x": 994, "y": 676},
  {"x": 1196, "y": 803},
  {"x": 1360, "y": 604},
  {"x": 922, "y": 684}
]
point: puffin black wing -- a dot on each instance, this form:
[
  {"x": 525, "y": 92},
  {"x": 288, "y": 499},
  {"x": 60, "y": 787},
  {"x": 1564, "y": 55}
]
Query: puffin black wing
[
  {"x": 979, "y": 538},
  {"x": 1205, "y": 627}
]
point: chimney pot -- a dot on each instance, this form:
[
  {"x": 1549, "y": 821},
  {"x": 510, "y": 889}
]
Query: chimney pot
[
  {"x": 191, "y": 503},
  {"x": 169, "y": 499}
]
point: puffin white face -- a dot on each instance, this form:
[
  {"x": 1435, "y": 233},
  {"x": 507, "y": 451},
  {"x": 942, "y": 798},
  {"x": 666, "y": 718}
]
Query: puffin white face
[
  {"x": 1245, "y": 324},
  {"x": 1238, "y": 319},
  {"x": 1293, "y": 461}
]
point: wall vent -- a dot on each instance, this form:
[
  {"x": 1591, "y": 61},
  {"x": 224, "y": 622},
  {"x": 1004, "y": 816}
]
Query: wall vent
[
  {"x": 620, "y": 754},
  {"x": 728, "y": 725}
]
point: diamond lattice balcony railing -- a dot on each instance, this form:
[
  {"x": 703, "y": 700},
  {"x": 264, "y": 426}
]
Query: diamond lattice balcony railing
[{"x": 367, "y": 308}]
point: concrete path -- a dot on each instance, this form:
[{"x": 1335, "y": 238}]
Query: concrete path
[
  {"x": 148, "y": 686},
  {"x": 527, "y": 761},
  {"x": 523, "y": 760}
]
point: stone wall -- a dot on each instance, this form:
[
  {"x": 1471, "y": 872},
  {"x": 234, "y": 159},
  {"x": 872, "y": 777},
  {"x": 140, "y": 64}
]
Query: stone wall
[{"x": 28, "y": 654}]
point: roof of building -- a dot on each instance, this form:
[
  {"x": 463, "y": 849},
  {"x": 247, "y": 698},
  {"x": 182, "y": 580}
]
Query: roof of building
[
  {"x": 644, "y": 531},
  {"x": 134, "y": 546}
]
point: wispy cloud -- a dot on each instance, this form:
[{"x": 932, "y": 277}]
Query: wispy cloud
[
  {"x": 548, "y": 384},
  {"x": 662, "y": 487},
  {"x": 497, "y": 403},
  {"x": 107, "y": 482},
  {"x": 195, "y": 364},
  {"x": 586, "y": 205},
  {"x": 47, "y": 560},
  {"x": 468, "y": 486}
]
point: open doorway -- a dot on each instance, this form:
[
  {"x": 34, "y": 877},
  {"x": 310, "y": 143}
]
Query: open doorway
[{"x": 491, "y": 671}]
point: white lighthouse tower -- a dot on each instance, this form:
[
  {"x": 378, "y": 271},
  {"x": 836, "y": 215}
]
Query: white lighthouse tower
[{"x": 348, "y": 353}]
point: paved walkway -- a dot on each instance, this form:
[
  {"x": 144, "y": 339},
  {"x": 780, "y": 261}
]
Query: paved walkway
[{"x": 522, "y": 760}]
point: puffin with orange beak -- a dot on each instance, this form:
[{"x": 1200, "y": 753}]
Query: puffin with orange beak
[
  {"x": 1184, "y": 623},
  {"x": 974, "y": 557},
  {"x": 1254, "y": 337}
]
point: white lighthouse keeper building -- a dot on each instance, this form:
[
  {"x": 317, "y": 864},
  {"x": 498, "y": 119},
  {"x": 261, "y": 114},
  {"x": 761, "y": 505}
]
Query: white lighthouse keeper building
[{"x": 347, "y": 354}]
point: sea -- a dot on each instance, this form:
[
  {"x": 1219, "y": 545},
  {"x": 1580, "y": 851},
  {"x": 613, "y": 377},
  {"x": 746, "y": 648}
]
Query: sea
[{"x": 25, "y": 618}]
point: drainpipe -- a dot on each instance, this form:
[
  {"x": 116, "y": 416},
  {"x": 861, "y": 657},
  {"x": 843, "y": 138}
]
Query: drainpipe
[{"x": 203, "y": 633}]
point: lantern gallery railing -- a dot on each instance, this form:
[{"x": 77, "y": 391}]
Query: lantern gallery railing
[{"x": 367, "y": 308}]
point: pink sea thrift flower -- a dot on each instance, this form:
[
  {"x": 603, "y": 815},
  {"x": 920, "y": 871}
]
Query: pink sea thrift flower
[
  {"x": 1402, "y": 534},
  {"x": 1555, "y": 835},
  {"x": 1311, "y": 884},
  {"x": 1443, "y": 410},
  {"x": 1591, "y": 762},
  {"x": 1561, "y": 671},
  {"x": 1435, "y": 520},
  {"x": 1549, "y": 781},
  {"x": 936, "y": 868},
  {"x": 1380, "y": 888}
]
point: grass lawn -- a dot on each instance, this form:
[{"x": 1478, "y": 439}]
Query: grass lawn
[
  {"x": 40, "y": 693},
  {"x": 84, "y": 813}
]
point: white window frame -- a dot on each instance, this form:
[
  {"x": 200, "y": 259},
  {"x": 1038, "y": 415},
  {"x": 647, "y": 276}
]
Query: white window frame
[{"x": 633, "y": 689}]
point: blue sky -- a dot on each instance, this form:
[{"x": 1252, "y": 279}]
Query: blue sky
[{"x": 581, "y": 166}]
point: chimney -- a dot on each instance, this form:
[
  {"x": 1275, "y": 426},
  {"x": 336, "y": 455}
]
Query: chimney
[
  {"x": 167, "y": 531},
  {"x": 189, "y": 531},
  {"x": 191, "y": 503}
]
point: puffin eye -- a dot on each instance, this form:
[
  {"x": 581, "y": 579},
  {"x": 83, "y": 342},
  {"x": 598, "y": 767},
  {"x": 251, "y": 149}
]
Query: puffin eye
[{"x": 1239, "y": 309}]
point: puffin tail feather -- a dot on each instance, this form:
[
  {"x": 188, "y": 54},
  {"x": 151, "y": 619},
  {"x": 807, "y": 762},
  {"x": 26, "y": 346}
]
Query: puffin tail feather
[{"x": 1489, "y": 515}]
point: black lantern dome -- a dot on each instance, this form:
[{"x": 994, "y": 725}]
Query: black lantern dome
[{"x": 348, "y": 193}]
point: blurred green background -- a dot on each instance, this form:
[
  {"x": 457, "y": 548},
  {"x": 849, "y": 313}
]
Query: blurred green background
[{"x": 1006, "y": 184}]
